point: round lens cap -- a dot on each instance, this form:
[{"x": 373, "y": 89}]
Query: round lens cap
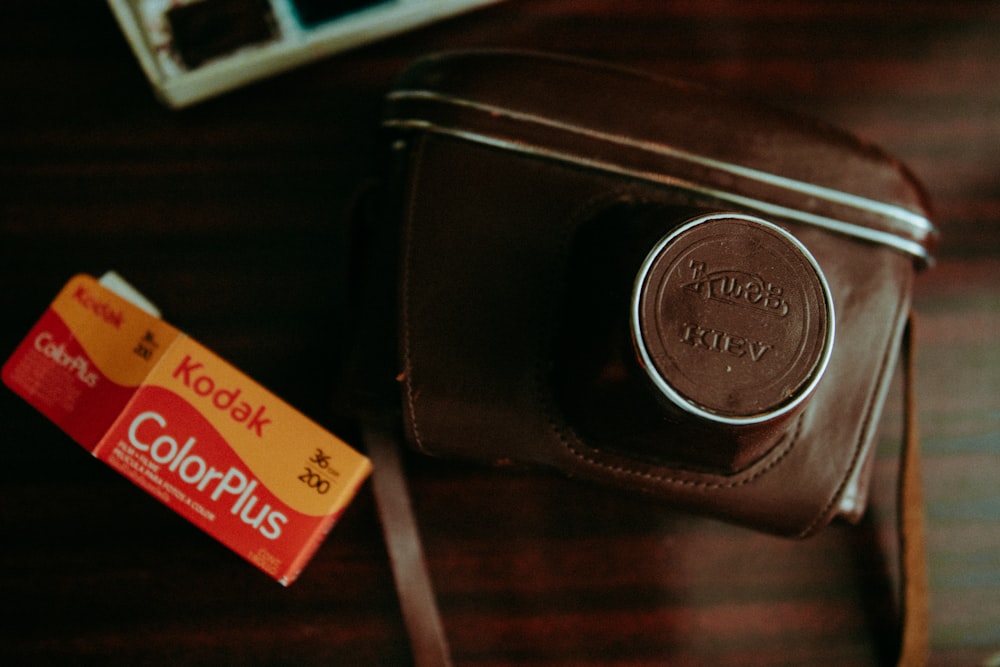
[{"x": 732, "y": 319}]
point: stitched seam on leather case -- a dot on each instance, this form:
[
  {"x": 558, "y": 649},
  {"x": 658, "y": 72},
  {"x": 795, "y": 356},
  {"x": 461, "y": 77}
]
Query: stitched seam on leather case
[
  {"x": 417, "y": 151},
  {"x": 571, "y": 441}
]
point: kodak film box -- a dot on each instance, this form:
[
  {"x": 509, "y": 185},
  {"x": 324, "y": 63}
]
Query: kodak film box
[{"x": 189, "y": 428}]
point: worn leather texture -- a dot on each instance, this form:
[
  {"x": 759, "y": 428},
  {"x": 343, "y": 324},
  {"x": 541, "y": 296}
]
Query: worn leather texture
[{"x": 504, "y": 158}]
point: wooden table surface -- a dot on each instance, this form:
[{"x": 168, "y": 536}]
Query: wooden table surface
[{"x": 231, "y": 217}]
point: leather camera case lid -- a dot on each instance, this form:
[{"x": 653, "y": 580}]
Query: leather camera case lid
[{"x": 504, "y": 157}]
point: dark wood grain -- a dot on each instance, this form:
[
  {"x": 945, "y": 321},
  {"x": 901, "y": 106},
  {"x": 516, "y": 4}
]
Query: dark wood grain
[{"x": 231, "y": 216}]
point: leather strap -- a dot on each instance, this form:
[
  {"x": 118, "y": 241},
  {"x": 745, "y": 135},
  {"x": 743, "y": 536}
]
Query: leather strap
[
  {"x": 369, "y": 395},
  {"x": 914, "y": 648},
  {"x": 416, "y": 594},
  {"x": 406, "y": 555}
]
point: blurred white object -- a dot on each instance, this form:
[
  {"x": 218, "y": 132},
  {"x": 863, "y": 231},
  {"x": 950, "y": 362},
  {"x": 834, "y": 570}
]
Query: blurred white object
[{"x": 193, "y": 49}]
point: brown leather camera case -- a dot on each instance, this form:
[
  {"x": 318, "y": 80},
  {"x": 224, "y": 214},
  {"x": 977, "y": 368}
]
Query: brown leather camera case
[{"x": 506, "y": 159}]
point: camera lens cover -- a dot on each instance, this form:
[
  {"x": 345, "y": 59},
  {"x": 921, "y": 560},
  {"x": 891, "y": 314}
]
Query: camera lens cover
[{"x": 732, "y": 319}]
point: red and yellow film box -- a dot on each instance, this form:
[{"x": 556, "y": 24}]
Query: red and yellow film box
[{"x": 189, "y": 428}]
